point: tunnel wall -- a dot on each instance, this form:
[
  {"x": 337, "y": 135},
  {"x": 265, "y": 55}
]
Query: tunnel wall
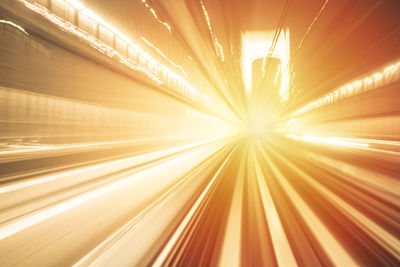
[{"x": 48, "y": 90}]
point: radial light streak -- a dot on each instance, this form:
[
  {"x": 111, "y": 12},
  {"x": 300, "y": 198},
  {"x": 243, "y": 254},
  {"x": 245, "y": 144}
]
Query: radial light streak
[
  {"x": 164, "y": 56},
  {"x": 390, "y": 242},
  {"x": 112, "y": 53},
  {"x": 330, "y": 140},
  {"x": 10, "y": 228},
  {"x": 100, "y": 166},
  {"x": 153, "y": 12},
  {"x": 387, "y": 75},
  {"x": 337, "y": 254},
  {"x": 93, "y": 41},
  {"x": 231, "y": 249},
  {"x": 312, "y": 24},
  {"x": 34, "y": 148},
  {"x": 281, "y": 244},
  {"x": 218, "y": 47},
  {"x": 103, "y": 167},
  {"x": 172, "y": 241},
  {"x": 101, "y": 255},
  {"x": 389, "y": 188}
]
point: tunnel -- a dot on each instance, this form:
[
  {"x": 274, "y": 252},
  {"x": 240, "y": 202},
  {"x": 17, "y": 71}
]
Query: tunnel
[{"x": 200, "y": 133}]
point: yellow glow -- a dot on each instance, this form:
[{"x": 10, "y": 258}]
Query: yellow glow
[
  {"x": 257, "y": 125},
  {"x": 255, "y": 45},
  {"x": 111, "y": 157}
]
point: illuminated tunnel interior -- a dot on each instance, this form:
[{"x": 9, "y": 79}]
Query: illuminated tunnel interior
[{"x": 200, "y": 133}]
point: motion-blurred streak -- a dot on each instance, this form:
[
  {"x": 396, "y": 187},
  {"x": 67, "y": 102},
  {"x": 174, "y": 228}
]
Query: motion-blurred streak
[
  {"x": 383, "y": 186},
  {"x": 103, "y": 167},
  {"x": 169, "y": 247},
  {"x": 114, "y": 190},
  {"x": 218, "y": 47},
  {"x": 164, "y": 56},
  {"x": 371, "y": 209},
  {"x": 375, "y": 80},
  {"x": 22, "y": 197},
  {"x": 379, "y": 234},
  {"x": 332, "y": 140},
  {"x": 143, "y": 233},
  {"x": 282, "y": 248},
  {"x": 110, "y": 158},
  {"x": 41, "y": 148},
  {"x": 153, "y": 12},
  {"x": 336, "y": 253},
  {"x": 314, "y": 21},
  {"x": 231, "y": 247},
  {"x": 152, "y": 68}
]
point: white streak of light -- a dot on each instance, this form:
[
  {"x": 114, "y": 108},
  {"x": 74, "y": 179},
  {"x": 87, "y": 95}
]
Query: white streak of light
[
  {"x": 283, "y": 251},
  {"x": 218, "y": 46},
  {"x": 387, "y": 75},
  {"x": 312, "y": 24},
  {"x": 107, "y": 50},
  {"x": 387, "y": 240},
  {"x": 93, "y": 41},
  {"x": 335, "y": 251},
  {"x": 230, "y": 255},
  {"x": 131, "y": 160},
  {"x": 331, "y": 140},
  {"x": 164, "y": 253},
  {"x": 153, "y": 12},
  {"x": 164, "y": 56},
  {"x": 11, "y": 228},
  {"x": 14, "y": 25},
  {"x": 59, "y": 147}
]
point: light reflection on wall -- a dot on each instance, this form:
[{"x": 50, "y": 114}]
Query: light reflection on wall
[
  {"x": 129, "y": 54},
  {"x": 384, "y": 76}
]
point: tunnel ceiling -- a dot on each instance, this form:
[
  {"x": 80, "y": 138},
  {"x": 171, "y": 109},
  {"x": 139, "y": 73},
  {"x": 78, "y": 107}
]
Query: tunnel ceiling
[{"x": 353, "y": 36}]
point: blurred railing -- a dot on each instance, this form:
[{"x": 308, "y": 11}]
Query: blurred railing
[
  {"x": 367, "y": 107},
  {"x": 376, "y": 79},
  {"x": 74, "y": 17}
]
